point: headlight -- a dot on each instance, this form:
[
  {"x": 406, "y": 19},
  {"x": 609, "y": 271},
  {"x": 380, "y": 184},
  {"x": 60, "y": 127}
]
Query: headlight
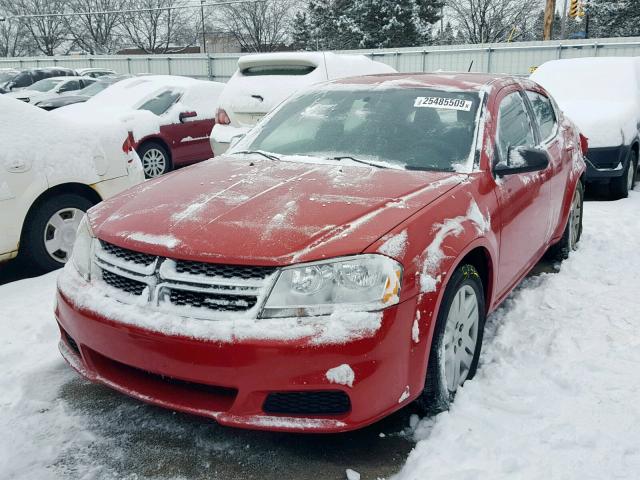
[
  {"x": 83, "y": 249},
  {"x": 361, "y": 283}
]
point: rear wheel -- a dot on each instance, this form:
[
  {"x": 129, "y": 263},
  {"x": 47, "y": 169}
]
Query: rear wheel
[
  {"x": 457, "y": 340},
  {"x": 155, "y": 159},
  {"x": 50, "y": 231},
  {"x": 573, "y": 230},
  {"x": 621, "y": 186}
]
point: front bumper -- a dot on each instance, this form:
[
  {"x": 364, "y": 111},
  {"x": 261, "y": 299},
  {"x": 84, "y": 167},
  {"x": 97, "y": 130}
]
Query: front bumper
[
  {"x": 607, "y": 162},
  {"x": 230, "y": 381}
]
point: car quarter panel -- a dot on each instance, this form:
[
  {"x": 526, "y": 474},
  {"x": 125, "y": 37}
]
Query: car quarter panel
[{"x": 436, "y": 241}]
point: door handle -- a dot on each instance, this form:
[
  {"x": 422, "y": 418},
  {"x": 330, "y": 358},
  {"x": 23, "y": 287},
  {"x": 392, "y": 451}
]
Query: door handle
[{"x": 17, "y": 166}]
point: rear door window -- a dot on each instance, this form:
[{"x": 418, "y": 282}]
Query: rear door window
[
  {"x": 23, "y": 80},
  {"x": 544, "y": 113},
  {"x": 514, "y": 125},
  {"x": 161, "y": 102},
  {"x": 261, "y": 70}
]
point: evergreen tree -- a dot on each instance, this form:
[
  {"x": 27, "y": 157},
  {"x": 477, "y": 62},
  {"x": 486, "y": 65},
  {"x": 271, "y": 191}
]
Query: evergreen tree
[
  {"x": 614, "y": 18},
  {"x": 301, "y": 33}
]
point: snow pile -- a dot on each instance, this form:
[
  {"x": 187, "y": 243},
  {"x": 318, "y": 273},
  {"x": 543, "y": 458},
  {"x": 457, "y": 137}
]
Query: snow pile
[
  {"x": 52, "y": 147},
  {"x": 168, "y": 241},
  {"x": 352, "y": 474},
  {"x": 341, "y": 375},
  {"x": 556, "y": 395},
  {"x": 601, "y": 95}
]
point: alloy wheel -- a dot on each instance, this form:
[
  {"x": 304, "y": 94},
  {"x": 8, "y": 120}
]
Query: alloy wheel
[
  {"x": 574, "y": 219},
  {"x": 60, "y": 233},
  {"x": 460, "y": 337},
  {"x": 154, "y": 162}
]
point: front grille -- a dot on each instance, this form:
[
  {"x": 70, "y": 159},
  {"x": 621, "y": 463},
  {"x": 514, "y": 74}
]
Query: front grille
[
  {"x": 180, "y": 284},
  {"x": 308, "y": 403},
  {"x": 124, "y": 284},
  {"x": 128, "y": 255},
  {"x": 225, "y": 271},
  {"x": 212, "y": 301}
]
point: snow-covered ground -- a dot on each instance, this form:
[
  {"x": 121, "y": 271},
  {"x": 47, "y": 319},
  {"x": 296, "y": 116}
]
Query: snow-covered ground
[{"x": 557, "y": 395}]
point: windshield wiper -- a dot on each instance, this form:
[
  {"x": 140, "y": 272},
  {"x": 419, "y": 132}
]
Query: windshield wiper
[
  {"x": 357, "y": 160},
  {"x": 270, "y": 156}
]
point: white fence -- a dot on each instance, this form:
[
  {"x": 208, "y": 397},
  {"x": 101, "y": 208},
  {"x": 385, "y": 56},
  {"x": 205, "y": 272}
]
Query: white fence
[{"x": 516, "y": 58}]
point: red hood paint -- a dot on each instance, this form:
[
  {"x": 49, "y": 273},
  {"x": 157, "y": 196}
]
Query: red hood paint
[{"x": 263, "y": 212}]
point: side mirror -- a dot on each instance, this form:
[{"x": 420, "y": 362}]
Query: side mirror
[
  {"x": 184, "y": 115},
  {"x": 523, "y": 160},
  {"x": 235, "y": 139},
  {"x": 11, "y": 86}
]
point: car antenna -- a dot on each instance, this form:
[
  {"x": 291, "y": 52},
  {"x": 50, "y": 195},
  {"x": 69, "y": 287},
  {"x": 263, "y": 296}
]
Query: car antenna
[{"x": 470, "y": 65}]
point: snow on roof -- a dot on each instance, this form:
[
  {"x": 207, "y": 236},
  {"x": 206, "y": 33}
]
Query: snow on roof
[{"x": 601, "y": 95}]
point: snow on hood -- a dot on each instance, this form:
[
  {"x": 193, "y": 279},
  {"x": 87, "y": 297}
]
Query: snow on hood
[
  {"x": 248, "y": 210},
  {"x": 53, "y": 146}
]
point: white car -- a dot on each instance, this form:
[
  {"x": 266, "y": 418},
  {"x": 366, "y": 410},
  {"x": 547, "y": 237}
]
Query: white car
[
  {"x": 51, "y": 171},
  {"x": 602, "y": 97},
  {"x": 262, "y": 81},
  {"x": 94, "y": 72},
  {"x": 51, "y": 88}
]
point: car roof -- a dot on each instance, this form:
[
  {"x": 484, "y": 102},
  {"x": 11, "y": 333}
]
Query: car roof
[{"x": 457, "y": 80}]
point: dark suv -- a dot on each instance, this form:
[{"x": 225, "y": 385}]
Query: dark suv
[{"x": 27, "y": 77}]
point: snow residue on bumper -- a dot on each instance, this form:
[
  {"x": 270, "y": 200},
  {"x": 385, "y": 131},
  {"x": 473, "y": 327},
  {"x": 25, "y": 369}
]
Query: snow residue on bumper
[
  {"x": 338, "y": 328},
  {"x": 341, "y": 375}
]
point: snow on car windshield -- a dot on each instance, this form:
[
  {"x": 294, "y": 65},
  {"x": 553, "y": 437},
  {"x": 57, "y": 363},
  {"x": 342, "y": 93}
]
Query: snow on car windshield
[
  {"x": 45, "y": 85},
  {"x": 412, "y": 128}
]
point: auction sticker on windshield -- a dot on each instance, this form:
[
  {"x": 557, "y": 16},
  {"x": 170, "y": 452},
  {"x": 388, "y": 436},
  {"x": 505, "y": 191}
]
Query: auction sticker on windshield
[{"x": 444, "y": 103}]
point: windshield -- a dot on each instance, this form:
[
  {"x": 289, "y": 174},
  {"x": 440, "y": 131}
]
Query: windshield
[
  {"x": 412, "y": 128},
  {"x": 45, "y": 85},
  {"x": 5, "y": 76},
  {"x": 93, "y": 89}
]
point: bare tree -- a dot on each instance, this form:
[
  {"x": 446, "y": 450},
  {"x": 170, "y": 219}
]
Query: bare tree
[
  {"x": 49, "y": 33},
  {"x": 96, "y": 33},
  {"x": 487, "y": 21},
  {"x": 161, "y": 27},
  {"x": 259, "y": 27},
  {"x": 14, "y": 39}
]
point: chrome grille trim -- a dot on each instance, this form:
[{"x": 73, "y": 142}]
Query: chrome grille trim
[{"x": 199, "y": 296}]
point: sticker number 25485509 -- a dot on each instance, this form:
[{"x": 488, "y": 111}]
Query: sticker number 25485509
[{"x": 445, "y": 103}]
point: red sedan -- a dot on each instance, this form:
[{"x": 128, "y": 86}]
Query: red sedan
[{"x": 337, "y": 264}]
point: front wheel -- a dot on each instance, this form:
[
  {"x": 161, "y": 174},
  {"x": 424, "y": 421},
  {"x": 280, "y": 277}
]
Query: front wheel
[{"x": 457, "y": 340}]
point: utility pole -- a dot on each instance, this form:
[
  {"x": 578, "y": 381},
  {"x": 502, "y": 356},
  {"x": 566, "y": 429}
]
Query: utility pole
[
  {"x": 549, "y": 13},
  {"x": 563, "y": 32},
  {"x": 204, "y": 37}
]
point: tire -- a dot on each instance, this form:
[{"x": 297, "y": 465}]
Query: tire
[
  {"x": 440, "y": 385},
  {"x": 155, "y": 159},
  {"x": 620, "y": 187},
  {"x": 53, "y": 223},
  {"x": 573, "y": 231}
]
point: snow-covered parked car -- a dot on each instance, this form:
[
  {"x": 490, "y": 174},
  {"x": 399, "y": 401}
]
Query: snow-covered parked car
[
  {"x": 51, "y": 172},
  {"x": 264, "y": 80},
  {"x": 95, "y": 72},
  {"x": 50, "y": 88},
  {"x": 171, "y": 117},
  {"x": 336, "y": 264},
  {"x": 602, "y": 96}
]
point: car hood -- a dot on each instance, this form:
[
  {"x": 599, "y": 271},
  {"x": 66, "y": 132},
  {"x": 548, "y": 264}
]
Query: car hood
[
  {"x": 249, "y": 210},
  {"x": 605, "y": 124}
]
